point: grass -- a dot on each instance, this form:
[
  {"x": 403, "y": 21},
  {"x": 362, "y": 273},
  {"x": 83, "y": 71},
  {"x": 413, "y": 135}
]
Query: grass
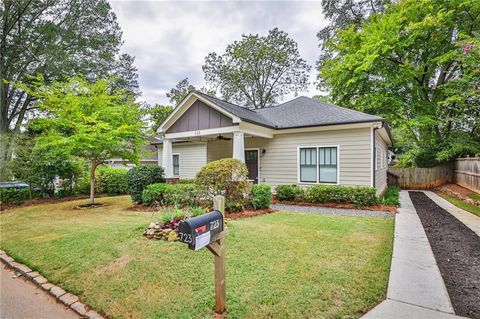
[
  {"x": 474, "y": 196},
  {"x": 460, "y": 203},
  {"x": 281, "y": 265}
]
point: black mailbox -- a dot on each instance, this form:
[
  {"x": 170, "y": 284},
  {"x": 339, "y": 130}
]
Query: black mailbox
[{"x": 198, "y": 232}]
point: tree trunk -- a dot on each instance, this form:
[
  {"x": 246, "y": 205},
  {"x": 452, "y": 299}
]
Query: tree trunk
[{"x": 92, "y": 182}]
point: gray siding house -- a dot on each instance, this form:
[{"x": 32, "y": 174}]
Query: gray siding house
[{"x": 302, "y": 141}]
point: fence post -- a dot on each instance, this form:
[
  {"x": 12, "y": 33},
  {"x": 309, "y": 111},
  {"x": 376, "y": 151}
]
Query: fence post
[{"x": 219, "y": 262}]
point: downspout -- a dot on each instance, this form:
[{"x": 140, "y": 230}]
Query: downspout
[{"x": 374, "y": 148}]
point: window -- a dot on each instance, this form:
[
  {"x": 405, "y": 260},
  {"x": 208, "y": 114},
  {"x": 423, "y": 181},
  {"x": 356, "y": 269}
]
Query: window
[
  {"x": 321, "y": 168},
  {"x": 176, "y": 164}
]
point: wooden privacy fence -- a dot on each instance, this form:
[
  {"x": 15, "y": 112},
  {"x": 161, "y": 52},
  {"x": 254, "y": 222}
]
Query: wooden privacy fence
[
  {"x": 467, "y": 173},
  {"x": 422, "y": 178}
]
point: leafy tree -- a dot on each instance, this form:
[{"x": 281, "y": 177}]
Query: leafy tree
[
  {"x": 180, "y": 91},
  {"x": 158, "y": 114},
  {"x": 57, "y": 39},
  {"x": 417, "y": 66},
  {"x": 258, "y": 70},
  {"x": 92, "y": 121}
]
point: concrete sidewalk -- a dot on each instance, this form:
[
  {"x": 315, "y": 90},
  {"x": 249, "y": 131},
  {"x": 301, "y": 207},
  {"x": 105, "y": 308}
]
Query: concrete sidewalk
[
  {"x": 469, "y": 219},
  {"x": 21, "y": 299},
  {"x": 416, "y": 288}
]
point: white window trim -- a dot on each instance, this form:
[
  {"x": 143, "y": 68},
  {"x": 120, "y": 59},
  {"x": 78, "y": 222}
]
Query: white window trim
[
  {"x": 317, "y": 174},
  {"x": 258, "y": 160},
  {"x": 179, "y": 166}
]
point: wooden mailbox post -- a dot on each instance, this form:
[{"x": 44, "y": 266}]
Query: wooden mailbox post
[{"x": 209, "y": 231}]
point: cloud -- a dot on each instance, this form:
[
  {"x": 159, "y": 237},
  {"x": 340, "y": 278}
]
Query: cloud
[{"x": 170, "y": 39}]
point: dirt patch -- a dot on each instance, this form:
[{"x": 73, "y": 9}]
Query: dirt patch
[
  {"x": 459, "y": 192},
  {"x": 382, "y": 208},
  {"x": 457, "y": 252},
  {"x": 115, "y": 266},
  {"x": 41, "y": 201},
  {"x": 249, "y": 213},
  {"x": 141, "y": 208}
]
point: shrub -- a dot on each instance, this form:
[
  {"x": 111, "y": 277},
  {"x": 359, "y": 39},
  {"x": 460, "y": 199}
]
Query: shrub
[
  {"x": 390, "y": 197},
  {"x": 228, "y": 177},
  {"x": 112, "y": 181},
  {"x": 358, "y": 196},
  {"x": 140, "y": 177},
  {"x": 288, "y": 192},
  {"x": 186, "y": 181},
  {"x": 13, "y": 195},
  {"x": 261, "y": 196},
  {"x": 155, "y": 194}
]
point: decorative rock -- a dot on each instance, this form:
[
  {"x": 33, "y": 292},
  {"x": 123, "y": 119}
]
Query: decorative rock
[
  {"x": 172, "y": 236},
  {"x": 68, "y": 299},
  {"x": 32, "y": 274},
  {"x": 93, "y": 315},
  {"x": 57, "y": 291},
  {"x": 2, "y": 252},
  {"x": 47, "y": 286},
  {"x": 79, "y": 308},
  {"x": 167, "y": 230},
  {"x": 40, "y": 280},
  {"x": 152, "y": 225}
]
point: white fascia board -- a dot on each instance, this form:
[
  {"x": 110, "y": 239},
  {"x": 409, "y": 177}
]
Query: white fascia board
[{"x": 206, "y": 132}]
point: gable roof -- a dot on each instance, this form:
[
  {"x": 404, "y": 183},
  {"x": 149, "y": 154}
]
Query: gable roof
[{"x": 299, "y": 112}]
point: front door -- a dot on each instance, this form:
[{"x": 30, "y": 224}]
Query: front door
[{"x": 251, "y": 160}]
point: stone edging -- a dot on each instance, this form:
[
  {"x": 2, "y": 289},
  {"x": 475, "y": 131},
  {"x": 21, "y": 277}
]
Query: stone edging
[{"x": 68, "y": 299}]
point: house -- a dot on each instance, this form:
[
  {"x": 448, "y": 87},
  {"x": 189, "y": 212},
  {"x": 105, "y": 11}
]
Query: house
[
  {"x": 302, "y": 141},
  {"x": 149, "y": 155}
]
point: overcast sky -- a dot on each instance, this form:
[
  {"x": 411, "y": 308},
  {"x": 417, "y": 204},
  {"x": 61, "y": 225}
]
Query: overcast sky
[{"x": 170, "y": 39}]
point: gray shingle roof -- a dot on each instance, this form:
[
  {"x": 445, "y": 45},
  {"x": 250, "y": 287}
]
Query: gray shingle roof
[{"x": 299, "y": 112}]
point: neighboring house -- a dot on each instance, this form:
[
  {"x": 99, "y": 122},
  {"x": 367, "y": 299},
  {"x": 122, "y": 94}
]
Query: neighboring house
[
  {"x": 149, "y": 155},
  {"x": 303, "y": 141}
]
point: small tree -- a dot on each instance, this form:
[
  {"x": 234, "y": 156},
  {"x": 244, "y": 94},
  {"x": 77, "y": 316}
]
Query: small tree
[{"x": 92, "y": 121}]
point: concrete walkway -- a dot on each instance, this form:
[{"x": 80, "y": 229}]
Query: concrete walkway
[
  {"x": 21, "y": 299},
  {"x": 470, "y": 220},
  {"x": 416, "y": 288}
]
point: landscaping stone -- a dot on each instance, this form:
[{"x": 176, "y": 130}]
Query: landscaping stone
[
  {"x": 2, "y": 252},
  {"x": 40, "y": 280},
  {"x": 68, "y": 299},
  {"x": 32, "y": 274},
  {"x": 166, "y": 231},
  {"x": 57, "y": 291},
  {"x": 6, "y": 259},
  {"x": 79, "y": 307},
  {"x": 93, "y": 315},
  {"x": 47, "y": 286},
  {"x": 20, "y": 267}
]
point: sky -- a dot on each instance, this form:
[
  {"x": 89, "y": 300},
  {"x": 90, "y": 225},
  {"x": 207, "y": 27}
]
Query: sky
[{"x": 170, "y": 39}]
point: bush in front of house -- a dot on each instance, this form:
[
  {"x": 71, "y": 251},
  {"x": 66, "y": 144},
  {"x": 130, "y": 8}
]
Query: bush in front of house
[
  {"x": 13, "y": 195},
  {"x": 390, "y": 197},
  {"x": 358, "y": 196},
  {"x": 180, "y": 195},
  {"x": 261, "y": 196},
  {"x": 228, "y": 177},
  {"x": 140, "y": 177},
  {"x": 289, "y": 193},
  {"x": 113, "y": 181}
]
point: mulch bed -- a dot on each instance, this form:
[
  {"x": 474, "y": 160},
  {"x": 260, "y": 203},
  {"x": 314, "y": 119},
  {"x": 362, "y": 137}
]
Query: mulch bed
[
  {"x": 391, "y": 209},
  {"x": 40, "y": 201},
  {"x": 249, "y": 213},
  {"x": 457, "y": 252},
  {"x": 458, "y": 192}
]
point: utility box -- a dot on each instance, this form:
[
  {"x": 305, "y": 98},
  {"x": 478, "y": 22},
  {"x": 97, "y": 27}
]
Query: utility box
[{"x": 199, "y": 231}]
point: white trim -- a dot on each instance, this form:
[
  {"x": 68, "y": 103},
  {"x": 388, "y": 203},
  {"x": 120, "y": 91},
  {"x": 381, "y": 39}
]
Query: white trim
[
  {"x": 372, "y": 156},
  {"x": 317, "y": 173},
  {"x": 258, "y": 160},
  {"x": 332, "y": 127},
  {"x": 205, "y": 132},
  {"x": 179, "y": 166},
  {"x": 185, "y": 105}
]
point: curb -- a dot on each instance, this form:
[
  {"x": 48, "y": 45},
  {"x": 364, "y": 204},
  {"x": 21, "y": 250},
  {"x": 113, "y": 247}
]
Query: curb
[{"x": 70, "y": 300}]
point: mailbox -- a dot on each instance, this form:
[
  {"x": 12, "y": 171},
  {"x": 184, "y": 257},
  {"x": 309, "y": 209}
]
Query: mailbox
[{"x": 198, "y": 232}]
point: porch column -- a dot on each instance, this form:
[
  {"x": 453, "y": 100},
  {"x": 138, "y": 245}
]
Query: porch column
[
  {"x": 167, "y": 158},
  {"x": 238, "y": 146}
]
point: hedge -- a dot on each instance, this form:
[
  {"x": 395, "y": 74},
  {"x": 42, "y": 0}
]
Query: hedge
[
  {"x": 13, "y": 195},
  {"x": 112, "y": 181},
  {"x": 261, "y": 196},
  {"x": 170, "y": 195},
  {"x": 140, "y": 177},
  {"x": 358, "y": 196}
]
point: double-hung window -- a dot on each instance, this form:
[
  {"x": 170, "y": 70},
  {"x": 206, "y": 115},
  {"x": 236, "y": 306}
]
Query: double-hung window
[
  {"x": 319, "y": 164},
  {"x": 176, "y": 164}
]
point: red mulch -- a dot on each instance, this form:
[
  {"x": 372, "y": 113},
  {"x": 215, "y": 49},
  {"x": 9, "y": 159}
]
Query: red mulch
[
  {"x": 249, "y": 213},
  {"x": 391, "y": 209},
  {"x": 462, "y": 191},
  {"x": 40, "y": 201}
]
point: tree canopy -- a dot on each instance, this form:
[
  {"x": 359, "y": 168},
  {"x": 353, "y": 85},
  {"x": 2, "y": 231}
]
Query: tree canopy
[
  {"x": 257, "y": 70},
  {"x": 56, "y": 39},
  {"x": 417, "y": 66},
  {"x": 92, "y": 121}
]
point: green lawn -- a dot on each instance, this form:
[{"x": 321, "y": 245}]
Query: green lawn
[
  {"x": 460, "y": 203},
  {"x": 281, "y": 265}
]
